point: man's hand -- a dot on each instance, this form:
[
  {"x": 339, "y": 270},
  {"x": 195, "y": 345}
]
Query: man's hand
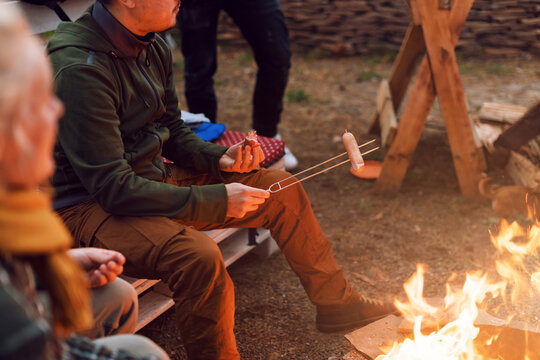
[
  {"x": 243, "y": 198},
  {"x": 242, "y": 159},
  {"x": 101, "y": 265}
]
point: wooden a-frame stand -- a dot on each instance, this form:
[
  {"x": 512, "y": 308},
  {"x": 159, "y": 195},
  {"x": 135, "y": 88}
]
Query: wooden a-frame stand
[{"x": 436, "y": 27}]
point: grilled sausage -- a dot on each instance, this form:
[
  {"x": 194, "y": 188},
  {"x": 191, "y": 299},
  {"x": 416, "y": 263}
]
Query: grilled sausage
[{"x": 352, "y": 150}]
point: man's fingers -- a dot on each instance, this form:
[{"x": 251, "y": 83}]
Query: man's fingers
[
  {"x": 256, "y": 158},
  {"x": 243, "y": 159},
  {"x": 252, "y": 207},
  {"x": 242, "y": 198},
  {"x": 259, "y": 193},
  {"x": 96, "y": 279},
  {"x": 237, "y": 160},
  {"x": 119, "y": 258},
  {"x": 112, "y": 256},
  {"x": 115, "y": 268},
  {"x": 246, "y": 159},
  {"x": 110, "y": 276},
  {"x": 257, "y": 200}
]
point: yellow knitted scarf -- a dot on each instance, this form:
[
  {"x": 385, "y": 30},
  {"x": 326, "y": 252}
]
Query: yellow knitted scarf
[{"x": 30, "y": 230}]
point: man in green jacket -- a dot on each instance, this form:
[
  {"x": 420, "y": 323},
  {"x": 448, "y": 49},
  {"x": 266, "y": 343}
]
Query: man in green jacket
[{"x": 113, "y": 190}]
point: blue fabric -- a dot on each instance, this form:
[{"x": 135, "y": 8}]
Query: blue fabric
[
  {"x": 263, "y": 26},
  {"x": 209, "y": 131}
]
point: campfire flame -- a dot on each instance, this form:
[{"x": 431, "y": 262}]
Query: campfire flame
[{"x": 451, "y": 326}]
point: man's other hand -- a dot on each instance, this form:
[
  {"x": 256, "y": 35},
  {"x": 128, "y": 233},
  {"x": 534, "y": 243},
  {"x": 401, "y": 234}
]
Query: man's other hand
[
  {"x": 242, "y": 159},
  {"x": 243, "y": 198},
  {"x": 101, "y": 265}
]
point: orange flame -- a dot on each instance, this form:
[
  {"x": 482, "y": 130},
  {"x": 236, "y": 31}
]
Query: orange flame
[{"x": 518, "y": 273}]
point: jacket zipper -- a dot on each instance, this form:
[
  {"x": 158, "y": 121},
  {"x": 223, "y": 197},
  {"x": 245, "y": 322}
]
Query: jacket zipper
[
  {"x": 147, "y": 80},
  {"x": 160, "y": 147}
]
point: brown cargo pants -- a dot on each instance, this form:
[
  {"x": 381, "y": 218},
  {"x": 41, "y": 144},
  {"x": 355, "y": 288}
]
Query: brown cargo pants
[{"x": 191, "y": 263}]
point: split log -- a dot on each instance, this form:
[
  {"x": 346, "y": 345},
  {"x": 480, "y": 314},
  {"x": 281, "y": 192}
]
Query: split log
[
  {"x": 504, "y": 113},
  {"x": 522, "y": 171}
]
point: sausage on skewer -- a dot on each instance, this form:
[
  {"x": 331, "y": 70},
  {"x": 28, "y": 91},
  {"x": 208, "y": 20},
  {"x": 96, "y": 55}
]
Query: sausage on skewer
[{"x": 352, "y": 150}]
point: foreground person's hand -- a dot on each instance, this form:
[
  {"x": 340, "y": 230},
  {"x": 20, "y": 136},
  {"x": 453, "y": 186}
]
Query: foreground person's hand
[
  {"x": 243, "y": 198},
  {"x": 101, "y": 265},
  {"x": 242, "y": 159}
]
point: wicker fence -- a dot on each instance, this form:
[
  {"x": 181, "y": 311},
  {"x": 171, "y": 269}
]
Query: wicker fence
[{"x": 352, "y": 27}]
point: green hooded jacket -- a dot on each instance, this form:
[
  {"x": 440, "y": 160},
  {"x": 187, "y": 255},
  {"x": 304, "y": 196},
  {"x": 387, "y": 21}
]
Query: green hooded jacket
[{"x": 121, "y": 117}]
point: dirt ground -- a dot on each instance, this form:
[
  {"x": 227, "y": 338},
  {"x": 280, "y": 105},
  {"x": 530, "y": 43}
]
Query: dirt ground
[{"x": 377, "y": 239}]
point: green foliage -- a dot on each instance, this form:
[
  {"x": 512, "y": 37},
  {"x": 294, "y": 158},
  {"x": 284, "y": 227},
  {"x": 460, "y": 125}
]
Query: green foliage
[
  {"x": 368, "y": 75},
  {"x": 244, "y": 58},
  {"x": 382, "y": 56},
  {"x": 490, "y": 221},
  {"x": 498, "y": 69},
  {"x": 179, "y": 63},
  {"x": 416, "y": 175},
  {"x": 316, "y": 54},
  {"x": 364, "y": 206},
  {"x": 297, "y": 96}
]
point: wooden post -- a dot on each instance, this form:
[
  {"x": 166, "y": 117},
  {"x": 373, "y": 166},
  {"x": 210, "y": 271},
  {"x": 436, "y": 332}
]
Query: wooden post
[
  {"x": 411, "y": 50},
  {"x": 438, "y": 74},
  {"x": 443, "y": 63}
]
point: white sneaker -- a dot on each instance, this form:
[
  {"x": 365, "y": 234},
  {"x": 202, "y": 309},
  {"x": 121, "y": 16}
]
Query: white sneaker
[{"x": 290, "y": 160}]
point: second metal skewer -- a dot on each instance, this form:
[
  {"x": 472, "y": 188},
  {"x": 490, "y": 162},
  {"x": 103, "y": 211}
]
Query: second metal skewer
[{"x": 278, "y": 184}]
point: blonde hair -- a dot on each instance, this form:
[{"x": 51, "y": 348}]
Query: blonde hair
[
  {"x": 23, "y": 70},
  {"x": 22, "y": 66}
]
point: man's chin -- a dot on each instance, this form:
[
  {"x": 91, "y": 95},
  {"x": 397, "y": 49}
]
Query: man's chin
[{"x": 167, "y": 28}]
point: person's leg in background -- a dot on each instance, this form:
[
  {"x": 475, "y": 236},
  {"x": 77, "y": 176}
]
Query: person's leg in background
[
  {"x": 197, "y": 21},
  {"x": 263, "y": 26}
]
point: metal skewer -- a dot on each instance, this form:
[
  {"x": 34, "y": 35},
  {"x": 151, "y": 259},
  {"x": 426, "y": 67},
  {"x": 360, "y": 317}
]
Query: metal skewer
[{"x": 278, "y": 184}]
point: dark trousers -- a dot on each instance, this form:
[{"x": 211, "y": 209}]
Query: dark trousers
[
  {"x": 191, "y": 263},
  {"x": 263, "y": 26}
]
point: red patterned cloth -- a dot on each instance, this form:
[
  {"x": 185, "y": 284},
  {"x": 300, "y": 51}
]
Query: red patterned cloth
[{"x": 273, "y": 149}]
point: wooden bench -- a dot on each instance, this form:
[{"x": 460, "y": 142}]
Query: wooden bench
[{"x": 154, "y": 296}]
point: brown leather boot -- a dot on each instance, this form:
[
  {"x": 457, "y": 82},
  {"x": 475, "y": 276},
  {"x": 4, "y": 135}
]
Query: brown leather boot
[{"x": 350, "y": 316}]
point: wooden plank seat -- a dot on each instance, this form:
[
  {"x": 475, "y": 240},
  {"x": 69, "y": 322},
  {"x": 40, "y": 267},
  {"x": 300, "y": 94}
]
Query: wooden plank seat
[{"x": 155, "y": 296}]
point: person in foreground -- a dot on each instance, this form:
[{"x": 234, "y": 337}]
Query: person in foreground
[
  {"x": 113, "y": 189},
  {"x": 34, "y": 243}
]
